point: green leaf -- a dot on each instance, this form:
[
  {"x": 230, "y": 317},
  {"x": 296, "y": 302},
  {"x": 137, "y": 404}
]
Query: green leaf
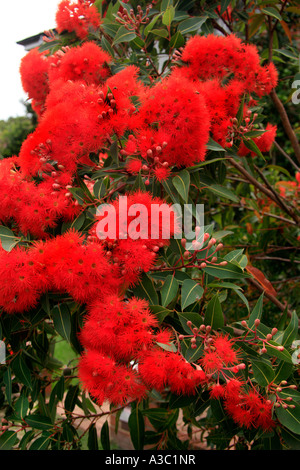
[
  {"x": 151, "y": 25},
  {"x": 8, "y": 238},
  {"x": 160, "y": 312},
  {"x": 93, "y": 438},
  {"x": 71, "y": 398},
  {"x": 256, "y": 312},
  {"x": 168, "y": 15},
  {"x": 37, "y": 421},
  {"x": 21, "y": 370},
  {"x": 169, "y": 290},
  {"x": 21, "y": 406},
  {"x": 222, "y": 192},
  {"x": 251, "y": 145},
  {"x": 263, "y": 372},
  {"x": 137, "y": 428},
  {"x": 191, "y": 292},
  {"x": 213, "y": 314},
  {"x": 177, "y": 40},
  {"x": 224, "y": 5},
  {"x": 145, "y": 289},
  {"x": 291, "y": 331},
  {"x": 78, "y": 194},
  {"x": 230, "y": 271},
  {"x": 8, "y": 384},
  {"x": 194, "y": 317},
  {"x": 7, "y": 440},
  {"x": 274, "y": 352},
  {"x": 105, "y": 441},
  {"x": 101, "y": 186},
  {"x": 191, "y": 24},
  {"x": 41, "y": 443},
  {"x": 182, "y": 184},
  {"x": 61, "y": 317},
  {"x": 158, "y": 417},
  {"x": 105, "y": 44},
  {"x": 290, "y": 418},
  {"x": 123, "y": 35},
  {"x": 212, "y": 145},
  {"x": 270, "y": 11},
  {"x": 163, "y": 33}
]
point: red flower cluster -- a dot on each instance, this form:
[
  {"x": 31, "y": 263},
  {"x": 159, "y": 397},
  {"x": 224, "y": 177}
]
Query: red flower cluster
[
  {"x": 78, "y": 17},
  {"x": 123, "y": 360},
  {"x": 224, "y": 69}
]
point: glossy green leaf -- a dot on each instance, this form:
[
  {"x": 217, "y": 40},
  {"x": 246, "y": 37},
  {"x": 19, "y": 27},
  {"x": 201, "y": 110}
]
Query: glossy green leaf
[
  {"x": 38, "y": 421},
  {"x": 256, "y": 312},
  {"x": 291, "y": 331},
  {"x": 61, "y": 317},
  {"x": 230, "y": 271},
  {"x": 270, "y": 11},
  {"x": 177, "y": 40},
  {"x": 71, "y": 398},
  {"x": 191, "y": 292},
  {"x": 7, "y": 379},
  {"x": 214, "y": 314},
  {"x": 21, "y": 406},
  {"x": 8, "y": 238},
  {"x": 168, "y": 15},
  {"x": 105, "y": 440},
  {"x": 182, "y": 184},
  {"x": 7, "y": 440},
  {"x": 123, "y": 35},
  {"x": 145, "y": 289},
  {"x": 169, "y": 290},
  {"x": 191, "y": 24},
  {"x": 93, "y": 438},
  {"x": 41, "y": 443},
  {"x": 21, "y": 370},
  {"x": 137, "y": 428},
  {"x": 290, "y": 418},
  {"x": 263, "y": 372}
]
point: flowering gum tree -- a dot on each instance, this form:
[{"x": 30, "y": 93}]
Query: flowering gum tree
[{"x": 160, "y": 104}]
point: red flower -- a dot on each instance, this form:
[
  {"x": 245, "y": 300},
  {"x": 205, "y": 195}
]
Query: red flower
[{"x": 78, "y": 17}]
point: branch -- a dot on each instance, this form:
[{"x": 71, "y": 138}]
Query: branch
[
  {"x": 286, "y": 124},
  {"x": 268, "y": 192}
]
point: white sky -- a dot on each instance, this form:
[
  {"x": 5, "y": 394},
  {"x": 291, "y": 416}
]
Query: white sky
[{"x": 19, "y": 19}]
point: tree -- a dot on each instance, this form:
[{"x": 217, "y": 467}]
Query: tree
[{"x": 147, "y": 223}]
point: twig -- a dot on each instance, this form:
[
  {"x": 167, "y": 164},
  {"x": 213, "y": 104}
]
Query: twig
[{"x": 286, "y": 123}]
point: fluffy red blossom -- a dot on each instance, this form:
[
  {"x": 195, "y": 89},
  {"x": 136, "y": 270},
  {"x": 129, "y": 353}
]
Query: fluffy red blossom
[
  {"x": 219, "y": 355},
  {"x": 218, "y": 57},
  {"x": 263, "y": 142},
  {"x": 80, "y": 17},
  {"x": 250, "y": 409},
  {"x": 87, "y": 62},
  {"x": 224, "y": 349},
  {"x": 69, "y": 130},
  {"x": 173, "y": 123},
  {"x": 79, "y": 268},
  {"x": 117, "y": 328},
  {"x": 160, "y": 369},
  {"x": 34, "y": 78},
  {"x": 126, "y": 90},
  {"x": 23, "y": 280},
  {"x": 107, "y": 380},
  {"x": 133, "y": 165},
  {"x": 139, "y": 216}
]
